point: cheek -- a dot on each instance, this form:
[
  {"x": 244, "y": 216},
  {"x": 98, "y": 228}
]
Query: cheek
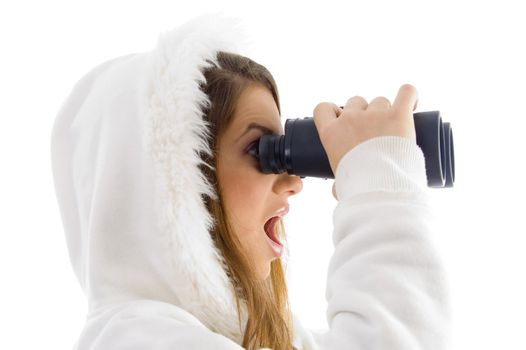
[
  {"x": 244, "y": 194},
  {"x": 244, "y": 190}
]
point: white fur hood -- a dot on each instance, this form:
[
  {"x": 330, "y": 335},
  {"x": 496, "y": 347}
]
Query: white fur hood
[{"x": 125, "y": 157}]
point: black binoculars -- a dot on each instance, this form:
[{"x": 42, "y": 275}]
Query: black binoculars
[{"x": 300, "y": 152}]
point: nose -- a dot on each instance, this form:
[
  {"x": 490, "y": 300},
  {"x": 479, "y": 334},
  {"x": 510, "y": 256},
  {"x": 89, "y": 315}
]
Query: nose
[{"x": 288, "y": 183}]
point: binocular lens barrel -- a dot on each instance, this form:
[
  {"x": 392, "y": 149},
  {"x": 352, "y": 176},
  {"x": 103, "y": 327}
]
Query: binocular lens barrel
[{"x": 300, "y": 152}]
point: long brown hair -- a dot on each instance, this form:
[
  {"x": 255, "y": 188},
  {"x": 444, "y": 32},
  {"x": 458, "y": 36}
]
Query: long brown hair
[{"x": 269, "y": 317}]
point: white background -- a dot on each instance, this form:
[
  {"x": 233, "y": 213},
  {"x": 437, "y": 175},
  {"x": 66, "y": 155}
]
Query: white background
[{"x": 467, "y": 59}]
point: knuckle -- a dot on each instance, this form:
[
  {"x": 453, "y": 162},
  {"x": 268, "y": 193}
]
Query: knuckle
[
  {"x": 321, "y": 106},
  {"x": 382, "y": 99},
  {"x": 360, "y": 98}
]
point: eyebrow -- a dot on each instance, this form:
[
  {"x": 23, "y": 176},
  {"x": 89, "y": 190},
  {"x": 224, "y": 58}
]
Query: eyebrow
[{"x": 254, "y": 125}]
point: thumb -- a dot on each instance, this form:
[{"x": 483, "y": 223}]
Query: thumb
[
  {"x": 324, "y": 113},
  {"x": 407, "y": 98}
]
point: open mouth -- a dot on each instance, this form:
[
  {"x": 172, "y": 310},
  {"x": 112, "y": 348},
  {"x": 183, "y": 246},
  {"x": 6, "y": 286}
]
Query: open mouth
[{"x": 270, "y": 229}]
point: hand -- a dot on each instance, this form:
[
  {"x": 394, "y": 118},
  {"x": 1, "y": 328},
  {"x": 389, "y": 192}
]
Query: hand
[{"x": 342, "y": 130}]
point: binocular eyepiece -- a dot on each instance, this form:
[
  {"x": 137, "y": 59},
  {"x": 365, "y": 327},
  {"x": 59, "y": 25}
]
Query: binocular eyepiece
[{"x": 300, "y": 152}]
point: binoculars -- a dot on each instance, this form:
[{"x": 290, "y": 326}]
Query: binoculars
[{"x": 300, "y": 152}]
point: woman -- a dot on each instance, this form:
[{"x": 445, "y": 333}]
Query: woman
[{"x": 165, "y": 212}]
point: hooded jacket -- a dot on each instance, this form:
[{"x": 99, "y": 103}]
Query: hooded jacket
[{"x": 125, "y": 149}]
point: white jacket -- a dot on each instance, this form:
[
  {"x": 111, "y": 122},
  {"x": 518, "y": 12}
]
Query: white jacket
[{"x": 125, "y": 153}]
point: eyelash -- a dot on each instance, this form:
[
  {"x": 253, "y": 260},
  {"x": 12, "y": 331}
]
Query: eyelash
[{"x": 250, "y": 145}]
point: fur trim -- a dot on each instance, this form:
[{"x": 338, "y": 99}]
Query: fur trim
[{"x": 177, "y": 135}]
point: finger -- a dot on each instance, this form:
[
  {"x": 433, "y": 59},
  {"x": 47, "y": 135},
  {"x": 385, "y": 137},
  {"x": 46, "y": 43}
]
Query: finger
[
  {"x": 407, "y": 98},
  {"x": 379, "y": 102},
  {"x": 324, "y": 113},
  {"x": 356, "y": 103}
]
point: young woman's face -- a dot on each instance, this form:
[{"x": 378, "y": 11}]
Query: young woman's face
[{"x": 251, "y": 197}]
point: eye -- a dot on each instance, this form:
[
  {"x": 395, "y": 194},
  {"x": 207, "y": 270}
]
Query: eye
[{"x": 250, "y": 145}]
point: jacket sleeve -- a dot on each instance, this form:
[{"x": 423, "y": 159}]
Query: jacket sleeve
[{"x": 386, "y": 287}]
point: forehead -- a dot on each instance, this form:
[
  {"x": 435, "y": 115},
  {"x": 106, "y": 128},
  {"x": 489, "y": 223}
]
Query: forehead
[{"x": 256, "y": 104}]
